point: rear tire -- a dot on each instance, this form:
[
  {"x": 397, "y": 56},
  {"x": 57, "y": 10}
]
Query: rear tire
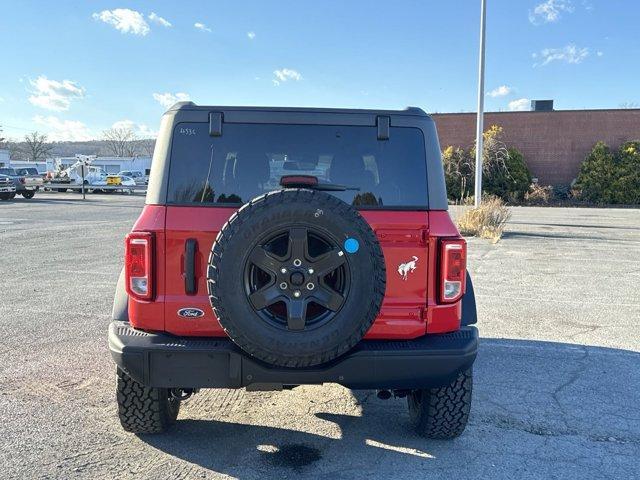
[
  {"x": 28, "y": 194},
  {"x": 144, "y": 409},
  {"x": 442, "y": 413}
]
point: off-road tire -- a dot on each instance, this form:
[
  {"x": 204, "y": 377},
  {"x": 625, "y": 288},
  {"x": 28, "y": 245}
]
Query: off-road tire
[
  {"x": 228, "y": 299},
  {"x": 29, "y": 194},
  {"x": 442, "y": 413},
  {"x": 143, "y": 409}
]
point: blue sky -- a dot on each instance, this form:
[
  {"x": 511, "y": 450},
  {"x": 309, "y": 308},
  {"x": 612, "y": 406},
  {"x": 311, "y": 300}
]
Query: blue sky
[{"x": 75, "y": 68}]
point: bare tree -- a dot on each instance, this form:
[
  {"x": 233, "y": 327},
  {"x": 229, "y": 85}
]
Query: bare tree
[
  {"x": 146, "y": 146},
  {"x": 2, "y": 139},
  {"x": 15, "y": 152},
  {"x": 36, "y": 147},
  {"x": 120, "y": 142}
]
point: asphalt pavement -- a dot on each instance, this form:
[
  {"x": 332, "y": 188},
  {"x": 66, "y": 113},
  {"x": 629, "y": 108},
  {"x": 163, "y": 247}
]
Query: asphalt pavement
[{"x": 556, "y": 380}]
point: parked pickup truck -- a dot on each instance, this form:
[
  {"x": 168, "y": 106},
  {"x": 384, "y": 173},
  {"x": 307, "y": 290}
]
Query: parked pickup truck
[
  {"x": 7, "y": 188},
  {"x": 26, "y": 180}
]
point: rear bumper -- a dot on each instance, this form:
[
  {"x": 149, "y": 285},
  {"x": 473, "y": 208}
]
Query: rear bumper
[{"x": 160, "y": 360}]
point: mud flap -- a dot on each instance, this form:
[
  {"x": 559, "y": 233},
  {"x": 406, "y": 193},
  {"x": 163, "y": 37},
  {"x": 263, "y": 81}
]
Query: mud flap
[{"x": 469, "y": 313}]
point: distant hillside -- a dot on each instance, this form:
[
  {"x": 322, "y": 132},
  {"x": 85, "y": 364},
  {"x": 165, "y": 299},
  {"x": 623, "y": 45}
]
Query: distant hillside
[{"x": 90, "y": 147}]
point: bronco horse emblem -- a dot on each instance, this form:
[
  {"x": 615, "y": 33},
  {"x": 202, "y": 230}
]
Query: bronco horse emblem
[{"x": 407, "y": 267}]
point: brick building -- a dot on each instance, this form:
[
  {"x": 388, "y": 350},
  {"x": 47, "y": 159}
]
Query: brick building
[{"x": 553, "y": 143}]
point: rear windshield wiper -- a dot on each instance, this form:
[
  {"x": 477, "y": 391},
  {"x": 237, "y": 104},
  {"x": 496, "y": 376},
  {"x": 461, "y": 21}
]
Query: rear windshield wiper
[{"x": 310, "y": 181}]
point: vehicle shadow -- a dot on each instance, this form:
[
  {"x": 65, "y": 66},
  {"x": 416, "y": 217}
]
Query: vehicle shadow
[
  {"x": 509, "y": 234},
  {"x": 530, "y": 397}
]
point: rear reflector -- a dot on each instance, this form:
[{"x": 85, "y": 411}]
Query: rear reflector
[
  {"x": 453, "y": 269},
  {"x": 138, "y": 265}
]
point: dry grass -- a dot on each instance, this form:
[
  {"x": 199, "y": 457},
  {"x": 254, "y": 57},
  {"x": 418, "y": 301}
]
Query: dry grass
[
  {"x": 538, "y": 195},
  {"x": 486, "y": 221}
]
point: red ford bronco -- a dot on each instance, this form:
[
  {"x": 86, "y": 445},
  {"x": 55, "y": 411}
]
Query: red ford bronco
[{"x": 288, "y": 246}]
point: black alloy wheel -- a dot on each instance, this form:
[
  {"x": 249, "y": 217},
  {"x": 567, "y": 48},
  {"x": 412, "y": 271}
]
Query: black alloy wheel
[{"x": 297, "y": 279}]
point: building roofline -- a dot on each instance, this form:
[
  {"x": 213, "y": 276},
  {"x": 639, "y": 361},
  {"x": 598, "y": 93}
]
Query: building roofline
[{"x": 542, "y": 111}]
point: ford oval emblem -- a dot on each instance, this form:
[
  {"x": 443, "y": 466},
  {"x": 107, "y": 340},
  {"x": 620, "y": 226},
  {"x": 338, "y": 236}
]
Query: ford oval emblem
[{"x": 190, "y": 312}]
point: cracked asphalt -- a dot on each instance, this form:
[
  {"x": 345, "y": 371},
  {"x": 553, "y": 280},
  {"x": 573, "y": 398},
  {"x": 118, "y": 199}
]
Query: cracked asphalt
[{"x": 556, "y": 380}]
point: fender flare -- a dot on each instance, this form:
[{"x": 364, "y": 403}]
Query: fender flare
[
  {"x": 120, "y": 309},
  {"x": 469, "y": 313}
]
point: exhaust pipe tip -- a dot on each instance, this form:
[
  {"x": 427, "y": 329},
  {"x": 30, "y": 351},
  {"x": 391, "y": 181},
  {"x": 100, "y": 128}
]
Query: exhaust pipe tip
[
  {"x": 384, "y": 394},
  {"x": 181, "y": 394}
]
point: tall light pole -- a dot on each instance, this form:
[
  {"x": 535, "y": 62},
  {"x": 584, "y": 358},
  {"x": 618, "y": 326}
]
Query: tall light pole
[{"x": 480, "y": 119}]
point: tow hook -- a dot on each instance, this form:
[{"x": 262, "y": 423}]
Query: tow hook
[{"x": 182, "y": 394}]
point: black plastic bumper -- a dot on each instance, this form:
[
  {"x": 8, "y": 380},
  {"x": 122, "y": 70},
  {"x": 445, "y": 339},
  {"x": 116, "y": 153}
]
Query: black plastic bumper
[{"x": 160, "y": 360}]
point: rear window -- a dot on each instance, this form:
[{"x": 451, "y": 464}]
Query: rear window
[{"x": 249, "y": 159}]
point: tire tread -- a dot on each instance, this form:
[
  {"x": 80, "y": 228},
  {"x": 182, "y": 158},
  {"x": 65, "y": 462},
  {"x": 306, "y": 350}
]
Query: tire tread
[
  {"x": 443, "y": 412},
  {"x": 143, "y": 409}
]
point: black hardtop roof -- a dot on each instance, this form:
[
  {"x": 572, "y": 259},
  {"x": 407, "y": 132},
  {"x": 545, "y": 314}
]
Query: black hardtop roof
[
  {"x": 218, "y": 116},
  {"x": 409, "y": 111}
]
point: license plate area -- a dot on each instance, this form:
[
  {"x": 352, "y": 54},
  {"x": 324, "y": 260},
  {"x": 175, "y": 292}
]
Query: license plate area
[{"x": 211, "y": 369}]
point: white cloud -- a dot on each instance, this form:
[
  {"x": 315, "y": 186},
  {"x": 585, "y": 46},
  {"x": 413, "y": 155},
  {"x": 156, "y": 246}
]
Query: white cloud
[
  {"x": 519, "y": 105},
  {"x": 125, "y": 20},
  {"x": 168, "y": 99},
  {"x": 568, "y": 54},
  {"x": 251, "y": 35},
  {"x": 201, "y": 26},
  {"x": 140, "y": 129},
  {"x": 63, "y": 130},
  {"x": 500, "y": 91},
  {"x": 54, "y": 95},
  {"x": 599, "y": 53},
  {"x": 154, "y": 17},
  {"x": 550, "y": 11},
  {"x": 284, "y": 75}
]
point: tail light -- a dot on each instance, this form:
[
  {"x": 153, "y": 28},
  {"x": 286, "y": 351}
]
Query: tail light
[
  {"x": 453, "y": 269},
  {"x": 138, "y": 265}
]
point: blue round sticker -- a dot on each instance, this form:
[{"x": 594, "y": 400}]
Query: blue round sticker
[{"x": 351, "y": 245}]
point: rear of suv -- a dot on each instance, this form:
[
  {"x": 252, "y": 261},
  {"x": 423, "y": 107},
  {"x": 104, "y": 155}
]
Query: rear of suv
[{"x": 280, "y": 247}]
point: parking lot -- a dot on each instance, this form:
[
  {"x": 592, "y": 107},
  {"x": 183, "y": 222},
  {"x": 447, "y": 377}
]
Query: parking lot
[{"x": 556, "y": 380}]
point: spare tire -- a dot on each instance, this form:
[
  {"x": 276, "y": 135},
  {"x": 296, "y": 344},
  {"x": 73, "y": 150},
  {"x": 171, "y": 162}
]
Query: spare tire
[{"x": 296, "y": 277}]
